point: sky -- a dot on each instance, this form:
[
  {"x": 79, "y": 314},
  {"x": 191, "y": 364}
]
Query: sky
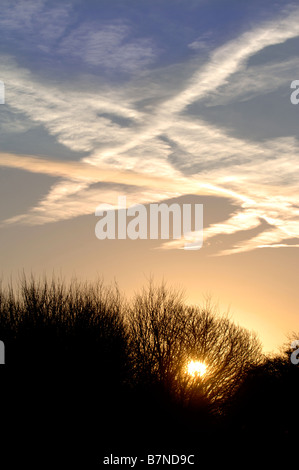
[{"x": 156, "y": 100}]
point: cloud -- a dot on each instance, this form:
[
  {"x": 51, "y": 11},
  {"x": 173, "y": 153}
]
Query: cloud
[
  {"x": 232, "y": 56},
  {"x": 244, "y": 86},
  {"x": 72, "y": 115},
  {"x": 54, "y": 30},
  {"x": 36, "y": 21},
  {"x": 202, "y": 43},
  {"x": 108, "y": 46},
  {"x": 164, "y": 151}
]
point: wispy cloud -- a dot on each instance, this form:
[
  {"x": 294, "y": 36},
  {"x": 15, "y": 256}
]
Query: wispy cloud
[
  {"x": 244, "y": 85},
  {"x": 37, "y": 21},
  {"x": 189, "y": 155},
  {"x": 54, "y": 30},
  {"x": 108, "y": 46}
]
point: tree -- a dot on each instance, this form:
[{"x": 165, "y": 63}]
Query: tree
[
  {"x": 52, "y": 324},
  {"x": 265, "y": 405},
  {"x": 165, "y": 334}
]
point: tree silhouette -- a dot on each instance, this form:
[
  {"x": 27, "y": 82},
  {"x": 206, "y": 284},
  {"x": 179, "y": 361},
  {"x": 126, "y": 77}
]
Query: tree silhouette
[
  {"x": 53, "y": 324},
  {"x": 123, "y": 371},
  {"x": 165, "y": 334},
  {"x": 263, "y": 413}
]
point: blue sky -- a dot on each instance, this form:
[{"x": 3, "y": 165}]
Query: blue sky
[{"x": 104, "y": 96}]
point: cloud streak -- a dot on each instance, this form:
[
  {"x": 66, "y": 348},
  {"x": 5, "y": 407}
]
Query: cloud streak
[
  {"x": 189, "y": 155},
  {"x": 108, "y": 46}
]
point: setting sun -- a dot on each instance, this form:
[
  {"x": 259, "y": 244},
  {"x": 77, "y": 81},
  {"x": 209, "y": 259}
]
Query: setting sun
[{"x": 196, "y": 368}]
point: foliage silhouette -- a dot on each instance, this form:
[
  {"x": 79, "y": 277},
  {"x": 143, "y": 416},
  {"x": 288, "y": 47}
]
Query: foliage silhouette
[
  {"x": 265, "y": 405},
  {"x": 113, "y": 372},
  {"x": 51, "y": 324},
  {"x": 165, "y": 334}
]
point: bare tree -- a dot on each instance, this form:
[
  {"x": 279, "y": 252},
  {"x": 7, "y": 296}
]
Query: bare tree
[
  {"x": 165, "y": 335},
  {"x": 50, "y": 322}
]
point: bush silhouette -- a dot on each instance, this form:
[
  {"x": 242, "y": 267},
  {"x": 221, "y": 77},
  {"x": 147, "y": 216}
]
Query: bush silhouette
[
  {"x": 265, "y": 406},
  {"x": 118, "y": 371},
  {"x": 51, "y": 324},
  {"x": 165, "y": 334}
]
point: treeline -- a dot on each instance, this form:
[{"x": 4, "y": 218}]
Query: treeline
[{"x": 118, "y": 369}]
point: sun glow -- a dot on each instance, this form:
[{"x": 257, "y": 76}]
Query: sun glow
[{"x": 196, "y": 368}]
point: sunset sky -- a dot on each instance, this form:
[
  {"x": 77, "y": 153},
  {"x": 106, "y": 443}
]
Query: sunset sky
[{"x": 182, "y": 101}]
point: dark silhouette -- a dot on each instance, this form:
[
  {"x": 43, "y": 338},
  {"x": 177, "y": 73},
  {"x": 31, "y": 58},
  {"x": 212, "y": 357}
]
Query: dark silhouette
[
  {"x": 263, "y": 413},
  {"x": 110, "y": 376},
  {"x": 49, "y": 323},
  {"x": 165, "y": 334}
]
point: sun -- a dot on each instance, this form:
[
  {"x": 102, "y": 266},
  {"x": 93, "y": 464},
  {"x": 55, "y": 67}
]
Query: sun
[{"x": 196, "y": 368}]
